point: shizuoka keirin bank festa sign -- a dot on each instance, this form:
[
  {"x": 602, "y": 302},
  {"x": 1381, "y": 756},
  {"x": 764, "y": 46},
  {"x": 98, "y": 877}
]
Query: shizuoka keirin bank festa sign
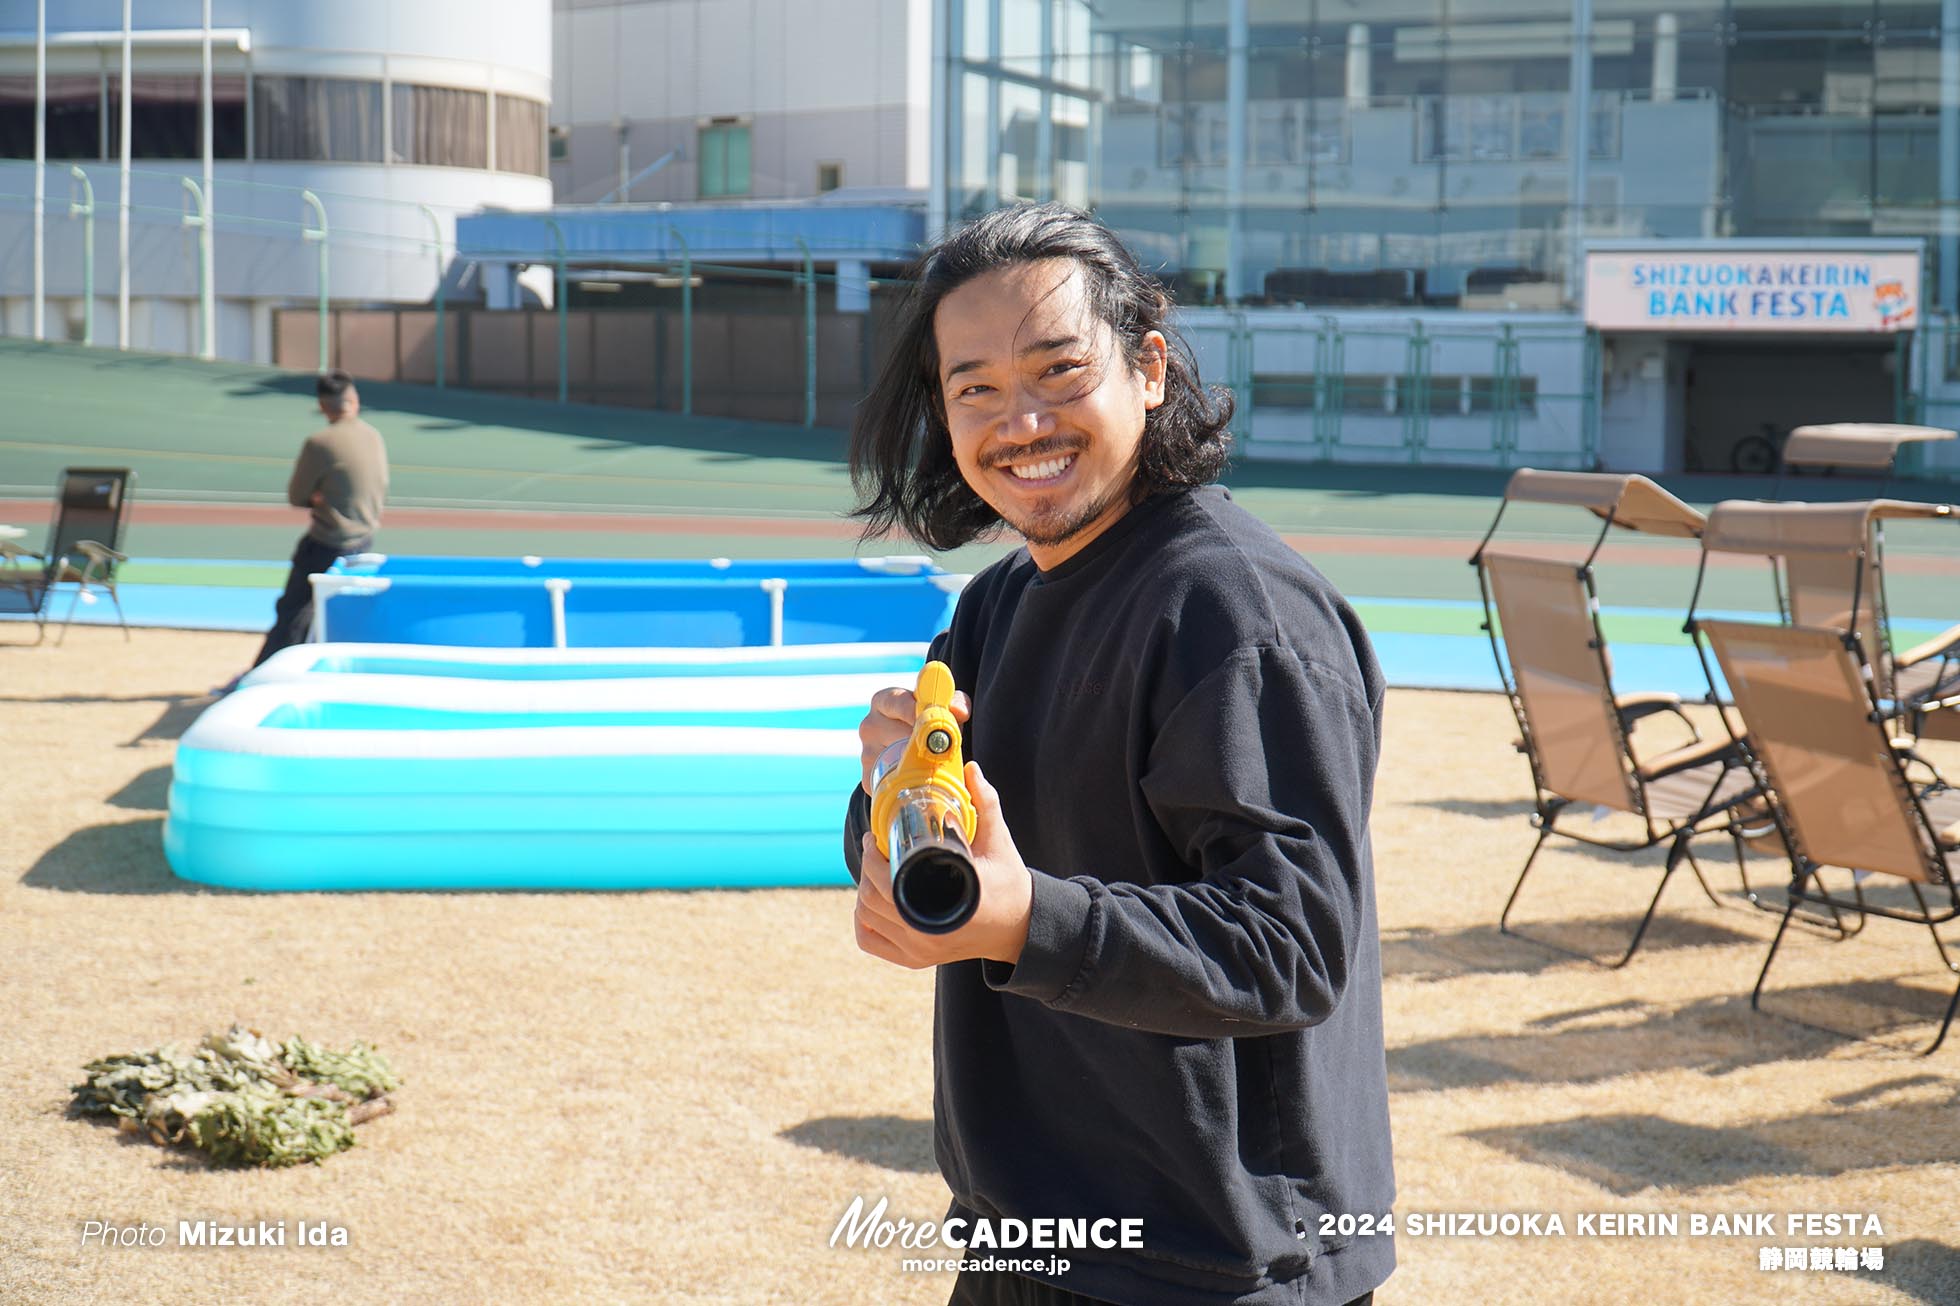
[{"x": 1743, "y": 289}]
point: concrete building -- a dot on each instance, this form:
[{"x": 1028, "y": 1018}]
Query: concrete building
[
  {"x": 376, "y": 121},
  {"x": 718, "y": 100}
]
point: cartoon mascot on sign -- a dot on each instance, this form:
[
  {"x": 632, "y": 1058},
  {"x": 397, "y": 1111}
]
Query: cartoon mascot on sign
[{"x": 1889, "y": 298}]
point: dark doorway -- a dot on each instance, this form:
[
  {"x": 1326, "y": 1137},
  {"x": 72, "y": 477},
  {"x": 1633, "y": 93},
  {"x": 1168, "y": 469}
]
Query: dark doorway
[{"x": 1743, "y": 397}]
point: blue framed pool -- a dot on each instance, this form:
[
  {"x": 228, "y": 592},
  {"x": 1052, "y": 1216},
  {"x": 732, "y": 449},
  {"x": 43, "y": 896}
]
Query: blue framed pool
[{"x": 535, "y": 602}]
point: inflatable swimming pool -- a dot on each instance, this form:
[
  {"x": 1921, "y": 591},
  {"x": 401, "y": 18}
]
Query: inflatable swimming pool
[
  {"x": 605, "y": 603},
  {"x": 893, "y": 664},
  {"x": 378, "y": 770}
]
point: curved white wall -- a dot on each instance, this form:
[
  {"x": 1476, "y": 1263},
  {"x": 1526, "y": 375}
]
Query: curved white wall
[
  {"x": 382, "y": 243},
  {"x": 512, "y": 34}
]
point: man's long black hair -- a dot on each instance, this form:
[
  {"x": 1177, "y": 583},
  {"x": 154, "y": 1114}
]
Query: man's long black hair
[{"x": 901, "y": 450}]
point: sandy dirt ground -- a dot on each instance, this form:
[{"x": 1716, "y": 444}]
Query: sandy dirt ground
[{"x": 673, "y": 1097}]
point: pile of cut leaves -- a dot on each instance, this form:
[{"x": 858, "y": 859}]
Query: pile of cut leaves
[{"x": 241, "y": 1098}]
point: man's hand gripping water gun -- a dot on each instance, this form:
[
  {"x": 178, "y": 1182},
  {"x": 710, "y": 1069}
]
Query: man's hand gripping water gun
[{"x": 962, "y": 891}]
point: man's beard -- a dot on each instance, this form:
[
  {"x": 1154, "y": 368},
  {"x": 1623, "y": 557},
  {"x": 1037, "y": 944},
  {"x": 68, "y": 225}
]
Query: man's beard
[{"x": 1049, "y": 526}]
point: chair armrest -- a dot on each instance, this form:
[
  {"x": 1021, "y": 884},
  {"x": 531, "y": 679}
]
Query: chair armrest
[
  {"x": 95, "y": 552},
  {"x": 1692, "y": 755},
  {"x": 1635, "y": 708},
  {"x": 14, "y": 554},
  {"x": 1632, "y": 707},
  {"x": 1939, "y": 645}
]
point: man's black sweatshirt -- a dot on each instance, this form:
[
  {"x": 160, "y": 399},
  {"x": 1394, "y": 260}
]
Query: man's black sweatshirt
[{"x": 1182, "y": 720}]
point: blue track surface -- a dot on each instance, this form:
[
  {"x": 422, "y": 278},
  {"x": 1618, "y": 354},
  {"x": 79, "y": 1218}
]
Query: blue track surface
[
  {"x": 173, "y": 607},
  {"x": 1409, "y": 661}
]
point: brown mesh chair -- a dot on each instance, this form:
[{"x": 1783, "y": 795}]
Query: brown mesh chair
[
  {"x": 1838, "y": 789},
  {"x": 1827, "y": 563},
  {"x": 1869, "y": 447},
  {"x": 1575, "y": 730},
  {"x": 1626, "y": 502},
  {"x": 91, "y": 507}
]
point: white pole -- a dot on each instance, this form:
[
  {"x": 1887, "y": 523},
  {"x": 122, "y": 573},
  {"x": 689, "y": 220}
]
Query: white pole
[
  {"x": 122, "y": 217},
  {"x": 40, "y": 167},
  {"x": 1949, "y": 142},
  {"x": 774, "y": 587},
  {"x": 207, "y": 291},
  {"x": 1360, "y": 82},
  {"x": 1667, "y": 57},
  {"x": 1581, "y": 144},
  {"x": 1238, "y": 38}
]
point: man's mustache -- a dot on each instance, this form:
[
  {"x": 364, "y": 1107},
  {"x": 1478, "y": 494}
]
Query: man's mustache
[{"x": 1052, "y": 446}]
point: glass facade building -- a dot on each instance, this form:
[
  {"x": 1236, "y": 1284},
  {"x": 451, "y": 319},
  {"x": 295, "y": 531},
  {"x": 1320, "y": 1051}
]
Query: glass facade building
[{"x": 1451, "y": 154}]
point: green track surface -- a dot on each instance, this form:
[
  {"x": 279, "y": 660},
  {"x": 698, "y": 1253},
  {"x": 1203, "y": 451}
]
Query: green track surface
[{"x": 224, "y": 433}]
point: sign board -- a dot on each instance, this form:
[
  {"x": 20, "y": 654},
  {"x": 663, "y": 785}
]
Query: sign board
[{"x": 1817, "y": 290}]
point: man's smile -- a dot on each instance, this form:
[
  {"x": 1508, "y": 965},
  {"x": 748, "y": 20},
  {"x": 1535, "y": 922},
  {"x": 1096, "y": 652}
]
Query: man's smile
[{"x": 1047, "y": 471}]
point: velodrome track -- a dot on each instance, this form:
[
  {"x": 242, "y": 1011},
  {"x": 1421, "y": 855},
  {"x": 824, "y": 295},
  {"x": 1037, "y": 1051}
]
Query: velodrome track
[{"x": 484, "y": 473}]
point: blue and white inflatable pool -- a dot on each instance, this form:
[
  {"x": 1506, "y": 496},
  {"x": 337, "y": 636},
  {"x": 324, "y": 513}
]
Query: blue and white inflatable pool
[
  {"x": 373, "y": 767},
  {"x": 349, "y": 664}
]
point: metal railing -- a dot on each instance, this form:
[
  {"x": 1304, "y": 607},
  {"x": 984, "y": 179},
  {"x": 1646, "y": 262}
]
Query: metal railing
[{"x": 1375, "y": 390}]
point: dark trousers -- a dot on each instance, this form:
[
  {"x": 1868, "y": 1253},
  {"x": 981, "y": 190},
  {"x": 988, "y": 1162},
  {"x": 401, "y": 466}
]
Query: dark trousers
[
  {"x": 293, "y": 616},
  {"x": 997, "y": 1288}
]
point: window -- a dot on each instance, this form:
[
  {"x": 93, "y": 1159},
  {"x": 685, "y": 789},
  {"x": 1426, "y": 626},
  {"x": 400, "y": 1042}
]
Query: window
[
  {"x": 1138, "y": 74},
  {"x": 1487, "y": 395},
  {"x": 829, "y": 177},
  {"x": 1499, "y": 127},
  {"x": 1192, "y": 133},
  {"x": 1368, "y": 394},
  {"x": 561, "y": 143},
  {"x": 520, "y": 135},
  {"x": 1541, "y": 125},
  {"x": 724, "y": 166},
  {"x": 1293, "y": 390},
  {"x": 441, "y": 126},
  {"x": 317, "y": 118},
  {"x": 74, "y": 117},
  {"x": 1445, "y": 396},
  {"x": 166, "y": 116},
  {"x": 1275, "y": 131}
]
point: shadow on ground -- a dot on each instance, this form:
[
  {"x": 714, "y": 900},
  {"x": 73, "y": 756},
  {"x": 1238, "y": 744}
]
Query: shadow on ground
[
  {"x": 121, "y": 858},
  {"x": 179, "y": 710},
  {"x": 1590, "y": 1045},
  {"x": 1429, "y": 955},
  {"x": 1634, "y": 1153},
  {"x": 1888, "y": 1017},
  {"x": 1925, "y": 1270},
  {"x": 148, "y": 792},
  {"x": 894, "y": 1142},
  {"x": 174, "y": 720},
  {"x": 1864, "y": 1009},
  {"x": 1508, "y": 809}
]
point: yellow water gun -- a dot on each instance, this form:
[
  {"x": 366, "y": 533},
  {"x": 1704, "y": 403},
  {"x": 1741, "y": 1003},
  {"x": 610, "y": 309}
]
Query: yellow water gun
[{"x": 922, "y": 815}]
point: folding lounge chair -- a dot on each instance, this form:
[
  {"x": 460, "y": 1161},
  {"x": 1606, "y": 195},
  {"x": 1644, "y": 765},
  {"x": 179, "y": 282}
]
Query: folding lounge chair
[
  {"x": 1627, "y": 502},
  {"x": 1577, "y": 734},
  {"x": 1871, "y": 447},
  {"x": 1827, "y": 563},
  {"x": 1932, "y": 669},
  {"x": 91, "y": 505},
  {"x": 1837, "y": 788}
]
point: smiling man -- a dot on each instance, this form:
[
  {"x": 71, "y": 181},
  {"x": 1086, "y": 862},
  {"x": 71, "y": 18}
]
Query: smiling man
[{"x": 1168, "y": 1006}]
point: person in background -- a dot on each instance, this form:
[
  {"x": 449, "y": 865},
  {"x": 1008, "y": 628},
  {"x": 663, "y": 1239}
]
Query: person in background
[{"x": 342, "y": 476}]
